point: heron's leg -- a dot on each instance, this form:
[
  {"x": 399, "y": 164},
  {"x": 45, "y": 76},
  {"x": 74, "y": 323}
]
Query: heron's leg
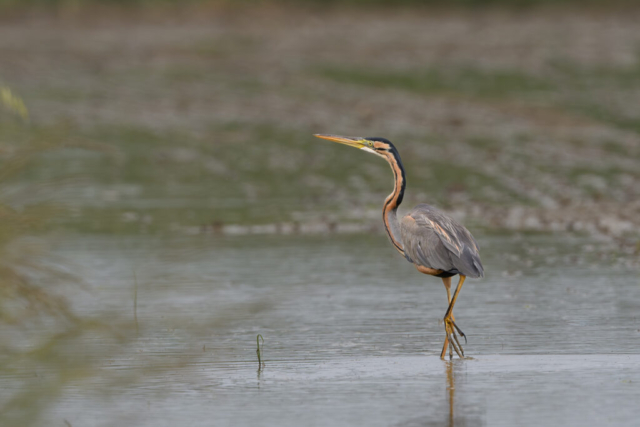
[
  {"x": 453, "y": 346},
  {"x": 451, "y": 327},
  {"x": 455, "y": 296},
  {"x": 447, "y": 286}
]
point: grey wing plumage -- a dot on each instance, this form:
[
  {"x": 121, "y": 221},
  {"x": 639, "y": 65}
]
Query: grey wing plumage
[{"x": 433, "y": 239}]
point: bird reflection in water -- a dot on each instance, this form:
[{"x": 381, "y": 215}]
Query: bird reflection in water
[
  {"x": 462, "y": 412},
  {"x": 451, "y": 390},
  {"x": 439, "y": 415}
]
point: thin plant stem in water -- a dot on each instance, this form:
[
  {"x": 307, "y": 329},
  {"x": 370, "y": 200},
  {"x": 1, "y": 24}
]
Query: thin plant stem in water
[
  {"x": 259, "y": 351},
  {"x": 135, "y": 301}
]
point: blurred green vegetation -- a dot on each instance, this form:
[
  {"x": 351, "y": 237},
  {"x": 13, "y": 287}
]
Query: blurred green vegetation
[
  {"x": 575, "y": 83},
  {"x": 267, "y": 174},
  {"x": 211, "y": 126},
  {"x": 252, "y": 172},
  {"x": 34, "y": 311},
  {"x": 20, "y": 295},
  {"x": 467, "y": 81}
]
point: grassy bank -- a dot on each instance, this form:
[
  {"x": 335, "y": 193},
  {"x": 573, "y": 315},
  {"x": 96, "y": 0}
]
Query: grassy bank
[{"x": 521, "y": 122}]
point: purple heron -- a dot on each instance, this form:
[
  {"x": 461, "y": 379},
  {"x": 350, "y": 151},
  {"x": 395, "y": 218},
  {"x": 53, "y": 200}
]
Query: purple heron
[{"x": 428, "y": 238}]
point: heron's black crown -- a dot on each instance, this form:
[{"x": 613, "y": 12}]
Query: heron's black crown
[
  {"x": 375, "y": 138},
  {"x": 388, "y": 146}
]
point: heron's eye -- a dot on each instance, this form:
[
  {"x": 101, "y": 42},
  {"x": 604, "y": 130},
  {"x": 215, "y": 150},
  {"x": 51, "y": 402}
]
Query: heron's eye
[{"x": 370, "y": 144}]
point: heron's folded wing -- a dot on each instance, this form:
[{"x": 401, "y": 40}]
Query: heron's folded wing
[
  {"x": 436, "y": 238},
  {"x": 423, "y": 246}
]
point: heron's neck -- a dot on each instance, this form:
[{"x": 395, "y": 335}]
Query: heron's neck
[{"x": 389, "y": 212}]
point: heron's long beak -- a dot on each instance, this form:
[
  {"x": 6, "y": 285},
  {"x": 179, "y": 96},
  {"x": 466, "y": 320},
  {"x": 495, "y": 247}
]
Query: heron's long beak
[{"x": 351, "y": 141}]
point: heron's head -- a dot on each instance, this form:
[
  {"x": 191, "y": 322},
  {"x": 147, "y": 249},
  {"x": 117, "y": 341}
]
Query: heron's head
[{"x": 380, "y": 146}]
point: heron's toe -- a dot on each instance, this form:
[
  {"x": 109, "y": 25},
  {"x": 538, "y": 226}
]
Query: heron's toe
[{"x": 454, "y": 344}]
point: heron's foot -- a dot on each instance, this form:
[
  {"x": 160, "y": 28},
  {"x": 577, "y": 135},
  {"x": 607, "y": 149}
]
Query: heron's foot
[{"x": 452, "y": 330}]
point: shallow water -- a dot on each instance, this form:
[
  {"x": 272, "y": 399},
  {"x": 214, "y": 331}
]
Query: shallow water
[{"x": 352, "y": 335}]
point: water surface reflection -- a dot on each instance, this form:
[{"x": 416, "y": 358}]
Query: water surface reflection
[{"x": 553, "y": 332}]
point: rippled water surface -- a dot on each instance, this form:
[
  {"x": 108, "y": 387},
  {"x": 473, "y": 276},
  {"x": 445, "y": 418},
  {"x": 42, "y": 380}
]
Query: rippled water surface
[{"x": 352, "y": 336}]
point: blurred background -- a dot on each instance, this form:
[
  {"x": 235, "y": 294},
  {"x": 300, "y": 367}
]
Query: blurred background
[{"x": 163, "y": 201}]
